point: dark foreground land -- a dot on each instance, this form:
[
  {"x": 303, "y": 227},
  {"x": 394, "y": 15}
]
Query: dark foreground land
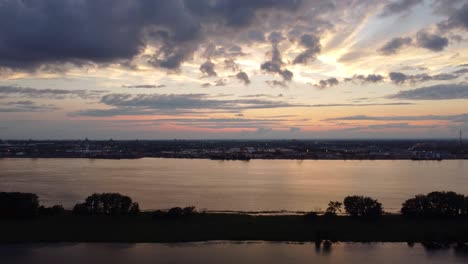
[{"x": 210, "y": 226}]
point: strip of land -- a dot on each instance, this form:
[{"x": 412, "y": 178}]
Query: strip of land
[{"x": 209, "y": 226}]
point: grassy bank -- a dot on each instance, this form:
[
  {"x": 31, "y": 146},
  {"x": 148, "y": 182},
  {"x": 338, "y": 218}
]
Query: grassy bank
[{"x": 203, "y": 227}]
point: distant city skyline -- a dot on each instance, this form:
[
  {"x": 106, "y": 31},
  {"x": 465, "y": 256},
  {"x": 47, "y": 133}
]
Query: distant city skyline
[{"x": 233, "y": 69}]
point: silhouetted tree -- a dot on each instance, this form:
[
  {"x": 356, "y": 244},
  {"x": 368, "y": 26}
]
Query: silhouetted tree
[
  {"x": 333, "y": 208},
  {"x": 18, "y": 205},
  {"x": 49, "y": 211},
  {"x": 435, "y": 204},
  {"x": 362, "y": 206},
  {"x": 189, "y": 210},
  {"x": 107, "y": 204}
]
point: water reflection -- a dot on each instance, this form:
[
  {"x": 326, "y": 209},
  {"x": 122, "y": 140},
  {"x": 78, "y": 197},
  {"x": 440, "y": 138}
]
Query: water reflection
[
  {"x": 226, "y": 252},
  {"x": 257, "y": 185}
]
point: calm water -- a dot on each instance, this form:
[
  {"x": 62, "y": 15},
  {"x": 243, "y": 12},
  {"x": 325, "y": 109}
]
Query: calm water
[
  {"x": 225, "y": 252},
  {"x": 231, "y": 185}
]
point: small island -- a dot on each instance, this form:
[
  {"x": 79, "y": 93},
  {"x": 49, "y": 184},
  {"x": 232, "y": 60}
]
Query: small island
[{"x": 437, "y": 219}]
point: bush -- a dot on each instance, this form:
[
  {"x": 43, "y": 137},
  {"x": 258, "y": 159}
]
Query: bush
[
  {"x": 175, "y": 213},
  {"x": 360, "y": 206},
  {"x": 18, "y": 205},
  {"x": 49, "y": 211},
  {"x": 107, "y": 204},
  {"x": 435, "y": 204}
]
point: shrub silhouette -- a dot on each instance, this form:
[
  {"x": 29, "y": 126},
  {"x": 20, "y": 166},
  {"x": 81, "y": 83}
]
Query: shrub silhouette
[
  {"x": 333, "y": 208},
  {"x": 175, "y": 213},
  {"x": 107, "y": 204},
  {"x": 360, "y": 206},
  {"x": 311, "y": 215},
  {"x": 435, "y": 204},
  {"x": 49, "y": 211},
  {"x": 18, "y": 205}
]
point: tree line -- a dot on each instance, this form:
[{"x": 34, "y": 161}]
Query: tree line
[{"x": 434, "y": 204}]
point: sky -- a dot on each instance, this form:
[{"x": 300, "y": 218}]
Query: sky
[{"x": 233, "y": 69}]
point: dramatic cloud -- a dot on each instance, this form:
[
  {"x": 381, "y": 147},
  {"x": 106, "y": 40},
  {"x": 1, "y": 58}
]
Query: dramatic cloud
[
  {"x": 189, "y": 101},
  {"x": 399, "y": 6},
  {"x": 431, "y": 41},
  {"x": 394, "y": 45},
  {"x": 275, "y": 64},
  {"x": 48, "y": 93},
  {"x": 436, "y": 92},
  {"x": 36, "y": 32},
  {"x": 208, "y": 69},
  {"x": 312, "y": 45},
  {"x": 401, "y": 78},
  {"x": 243, "y": 77},
  {"x": 423, "y": 39},
  {"x": 458, "y": 19},
  {"x": 371, "y": 78},
  {"x": 322, "y": 84}
]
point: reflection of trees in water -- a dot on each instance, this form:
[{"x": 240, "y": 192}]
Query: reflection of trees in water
[
  {"x": 323, "y": 247},
  {"x": 460, "y": 249},
  {"x": 435, "y": 246}
]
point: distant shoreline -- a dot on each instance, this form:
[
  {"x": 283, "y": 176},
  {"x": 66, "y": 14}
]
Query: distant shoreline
[{"x": 235, "y": 227}]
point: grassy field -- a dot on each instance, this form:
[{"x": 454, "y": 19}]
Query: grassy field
[{"x": 203, "y": 227}]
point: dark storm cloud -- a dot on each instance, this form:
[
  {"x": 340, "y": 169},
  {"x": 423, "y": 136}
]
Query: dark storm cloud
[
  {"x": 237, "y": 13},
  {"x": 243, "y": 77},
  {"x": 401, "y": 78},
  {"x": 48, "y": 93},
  {"x": 399, "y": 6},
  {"x": 36, "y": 32},
  {"x": 431, "y": 41},
  {"x": 275, "y": 65},
  {"x": 435, "y": 92},
  {"x": 458, "y": 18},
  {"x": 312, "y": 45},
  {"x": 322, "y": 84},
  {"x": 208, "y": 69},
  {"x": 394, "y": 45}
]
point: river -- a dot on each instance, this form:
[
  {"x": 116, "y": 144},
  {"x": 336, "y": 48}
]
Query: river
[
  {"x": 255, "y": 185},
  {"x": 226, "y": 252}
]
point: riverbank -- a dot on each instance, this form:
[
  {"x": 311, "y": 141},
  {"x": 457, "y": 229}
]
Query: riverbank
[{"x": 236, "y": 227}]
